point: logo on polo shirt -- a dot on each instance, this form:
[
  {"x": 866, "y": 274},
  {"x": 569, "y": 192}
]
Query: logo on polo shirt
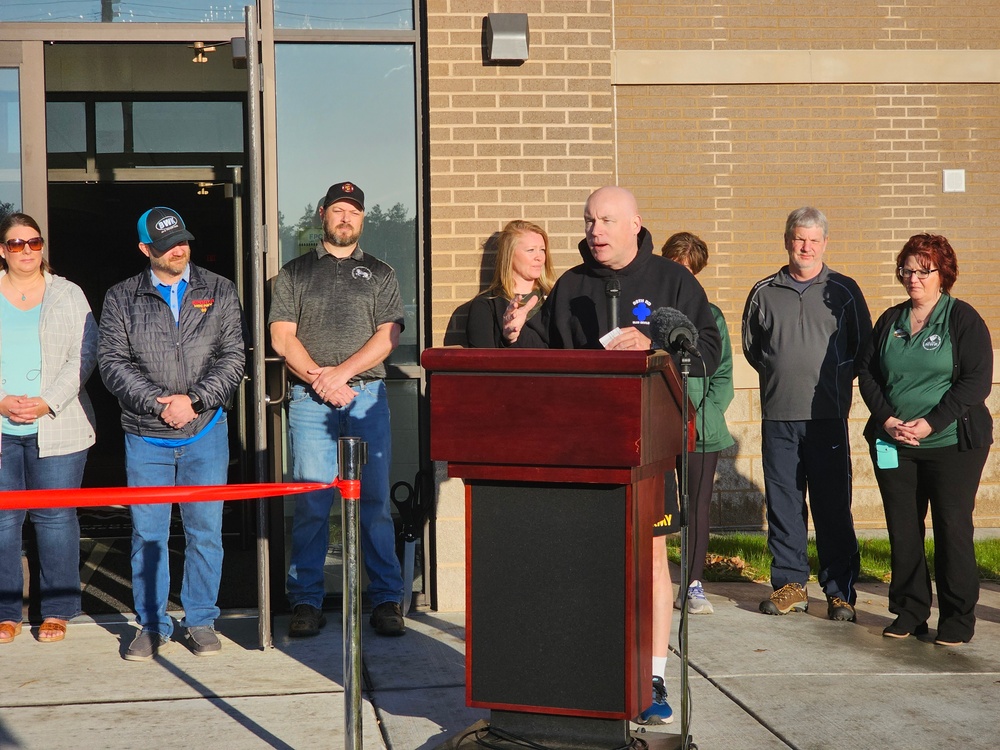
[
  {"x": 932, "y": 342},
  {"x": 361, "y": 273},
  {"x": 203, "y": 304}
]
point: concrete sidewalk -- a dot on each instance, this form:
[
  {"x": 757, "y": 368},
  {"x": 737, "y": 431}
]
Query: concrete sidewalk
[{"x": 757, "y": 682}]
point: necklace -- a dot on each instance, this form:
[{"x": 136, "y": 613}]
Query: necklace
[
  {"x": 24, "y": 295},
  {"x": 921, "y": 321}
]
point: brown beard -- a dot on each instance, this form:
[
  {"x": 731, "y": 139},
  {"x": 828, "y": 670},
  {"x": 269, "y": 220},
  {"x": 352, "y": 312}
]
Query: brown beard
[{"x": 330, "y": 235}]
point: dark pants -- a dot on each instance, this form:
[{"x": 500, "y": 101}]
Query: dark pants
[
  {"x": 701, "y": 482},
  {"x": 947, "y": 479},
  {"x": 813, "y": 454}
]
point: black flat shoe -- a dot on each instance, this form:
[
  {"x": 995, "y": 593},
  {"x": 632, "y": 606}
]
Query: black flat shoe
[{"x": 898, "y": 630}]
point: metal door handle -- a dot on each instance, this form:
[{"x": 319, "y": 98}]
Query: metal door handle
[{"x": 283, "y": 380}]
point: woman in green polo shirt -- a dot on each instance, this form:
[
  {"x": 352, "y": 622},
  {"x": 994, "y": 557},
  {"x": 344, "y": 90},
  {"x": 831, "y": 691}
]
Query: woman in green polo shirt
[
  {"x": 711, "y": 397},
  {"x": 925, "y": 376}
]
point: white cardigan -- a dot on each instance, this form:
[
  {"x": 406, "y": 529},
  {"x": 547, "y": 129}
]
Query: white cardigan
[{"x": 68, "y": 334}]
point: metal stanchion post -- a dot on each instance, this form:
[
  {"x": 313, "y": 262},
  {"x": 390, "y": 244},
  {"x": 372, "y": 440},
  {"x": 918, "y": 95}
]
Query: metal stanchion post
[
  {"x": 352, "y": 453},
  {"x": 683, "y": 498}
]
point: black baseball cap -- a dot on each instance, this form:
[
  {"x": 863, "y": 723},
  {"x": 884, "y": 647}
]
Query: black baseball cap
[
  {"x": 162, "y": 228},
  {"x": 345, "y": 191}
]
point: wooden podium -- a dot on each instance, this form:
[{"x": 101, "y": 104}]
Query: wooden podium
[{"x": 563, "y": 454}]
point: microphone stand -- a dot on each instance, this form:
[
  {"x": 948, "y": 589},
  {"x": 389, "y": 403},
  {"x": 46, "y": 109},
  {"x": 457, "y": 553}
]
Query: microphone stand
[{"x": 682, "y": 495}]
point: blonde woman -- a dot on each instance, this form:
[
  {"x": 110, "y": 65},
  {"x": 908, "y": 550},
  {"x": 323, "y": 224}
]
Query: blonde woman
[{"x": 523, "y": 272}]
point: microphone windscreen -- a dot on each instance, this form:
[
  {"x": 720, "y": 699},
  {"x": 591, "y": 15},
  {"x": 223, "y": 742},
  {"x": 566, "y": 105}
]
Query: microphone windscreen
[{"x": 664, "y": 325}]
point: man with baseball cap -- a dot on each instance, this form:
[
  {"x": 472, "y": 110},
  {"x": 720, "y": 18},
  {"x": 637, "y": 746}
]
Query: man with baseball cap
[
  {"x": 172, "y": 352},
  {"x": 335, "y": 316}
]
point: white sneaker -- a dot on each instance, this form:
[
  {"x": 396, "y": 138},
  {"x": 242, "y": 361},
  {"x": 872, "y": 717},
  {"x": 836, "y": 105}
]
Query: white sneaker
[{"x": 698, "y": 604}]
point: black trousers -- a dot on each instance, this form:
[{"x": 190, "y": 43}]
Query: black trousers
[
  {"x": 947, "y": 479},
  {"x": 701, "y": 482}
]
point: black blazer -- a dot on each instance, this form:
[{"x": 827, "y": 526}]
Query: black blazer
[{"x": 484, "y": 329}]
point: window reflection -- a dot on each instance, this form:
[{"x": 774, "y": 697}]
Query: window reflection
[
  {"x": 66, "y": 127},
  {"x": 125, "y": 11},
  {"x": 288, "y": 14},
  {"x": 357, "y": 123},
  {"x": 10, "y": 142},
  {"x": 343, "y": 14}
]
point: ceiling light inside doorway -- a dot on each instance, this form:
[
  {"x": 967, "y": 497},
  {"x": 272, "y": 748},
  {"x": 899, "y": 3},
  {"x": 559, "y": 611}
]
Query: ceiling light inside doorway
[{"x": 201, "y": 51}]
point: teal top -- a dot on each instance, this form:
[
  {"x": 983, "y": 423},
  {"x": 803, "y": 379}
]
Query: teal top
[
  {"x": 918, "y": 369},
  {"x": 712, "y": 396},
  {"x": 20, "y": 358}
]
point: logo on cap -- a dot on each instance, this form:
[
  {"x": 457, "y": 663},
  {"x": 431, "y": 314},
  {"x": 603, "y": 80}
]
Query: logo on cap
[
  {"x": 347, "y": 187},
  {"x": 166, "y": 223}
]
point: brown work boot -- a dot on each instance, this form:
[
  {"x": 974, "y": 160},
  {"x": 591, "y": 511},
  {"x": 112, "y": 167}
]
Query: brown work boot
[
  {"x": 387, "y": 619},
  {"x": 791, "y": 596},
  {"x": 838, "y": 609}
]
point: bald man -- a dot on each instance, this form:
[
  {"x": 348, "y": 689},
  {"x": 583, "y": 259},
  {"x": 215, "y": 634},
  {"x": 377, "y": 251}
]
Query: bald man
[{"x": 619, "y": 250}]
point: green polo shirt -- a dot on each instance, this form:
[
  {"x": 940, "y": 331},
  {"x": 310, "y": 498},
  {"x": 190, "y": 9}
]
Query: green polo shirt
[{"x": 918, "y": 369}]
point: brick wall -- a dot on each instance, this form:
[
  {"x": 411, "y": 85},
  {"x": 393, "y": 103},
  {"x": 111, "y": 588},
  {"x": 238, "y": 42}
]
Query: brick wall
[
  {"x": 525, "y": 141},
  {"x": 725, "y": 160},
  {"x": 797, "y": 24},
  {"x": 730, "y": 162}
]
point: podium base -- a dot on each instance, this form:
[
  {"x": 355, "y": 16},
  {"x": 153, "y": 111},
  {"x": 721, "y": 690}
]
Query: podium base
[{"x": 509, "y": 731}]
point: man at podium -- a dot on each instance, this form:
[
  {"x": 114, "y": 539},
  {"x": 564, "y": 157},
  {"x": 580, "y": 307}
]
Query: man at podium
[{"x": 606, "y": 302}]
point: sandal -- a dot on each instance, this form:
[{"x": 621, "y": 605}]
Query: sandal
[
  {"x": 51, "y": 630},
  {"x": 9, "y": 630}
]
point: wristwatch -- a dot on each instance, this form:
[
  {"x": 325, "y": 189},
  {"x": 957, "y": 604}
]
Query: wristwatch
[{"x": 196, "y": 403}]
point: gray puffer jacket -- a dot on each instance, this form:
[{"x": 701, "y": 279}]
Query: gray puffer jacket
[{"x": 143, "y": 354}]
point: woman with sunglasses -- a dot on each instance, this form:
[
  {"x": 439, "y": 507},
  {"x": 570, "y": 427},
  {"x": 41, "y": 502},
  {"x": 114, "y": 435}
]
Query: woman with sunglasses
[
  {"x": 925, "y": 376},
  {"x": 48, "y": 348}
]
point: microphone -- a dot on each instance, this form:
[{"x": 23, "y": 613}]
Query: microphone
[
  {"x": 673, "y": 330},
  {"x": 613, "y": 289}
]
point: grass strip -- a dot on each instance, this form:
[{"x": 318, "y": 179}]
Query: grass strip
[{"x": 743, "y": 556}]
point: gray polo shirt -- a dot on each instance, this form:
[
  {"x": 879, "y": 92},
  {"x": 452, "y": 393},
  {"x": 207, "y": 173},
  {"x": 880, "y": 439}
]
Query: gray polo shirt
[{"x": 336, "y": 304}]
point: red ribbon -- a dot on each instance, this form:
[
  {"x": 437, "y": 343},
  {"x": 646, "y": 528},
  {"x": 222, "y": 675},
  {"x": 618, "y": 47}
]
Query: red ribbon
[{"x": 94, "y": 496}]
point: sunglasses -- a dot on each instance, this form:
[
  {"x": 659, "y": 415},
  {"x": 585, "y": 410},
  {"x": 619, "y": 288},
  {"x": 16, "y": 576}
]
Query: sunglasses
[{"x": 18, "y": 246}]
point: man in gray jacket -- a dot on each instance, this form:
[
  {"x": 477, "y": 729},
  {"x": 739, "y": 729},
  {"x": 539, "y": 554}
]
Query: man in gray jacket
[
  {"x": 172, "y": 352},
  {"x": 802, "y": 330}
]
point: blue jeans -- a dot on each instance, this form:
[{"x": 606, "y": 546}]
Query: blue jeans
[
  {"x": 313, "y": 430},
  {"x": 204, "y": 462},
  {"x": 57, "y": 530}
]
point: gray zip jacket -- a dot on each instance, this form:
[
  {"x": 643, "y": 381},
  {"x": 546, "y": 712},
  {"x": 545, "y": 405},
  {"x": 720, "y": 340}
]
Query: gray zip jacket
[
  {"x": 804, "y": 346},
  {"x": 144, "y": 354},
  {"x": 68, "y": 334}
]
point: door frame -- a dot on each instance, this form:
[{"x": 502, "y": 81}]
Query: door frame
[{"x": 28, "y": 58}]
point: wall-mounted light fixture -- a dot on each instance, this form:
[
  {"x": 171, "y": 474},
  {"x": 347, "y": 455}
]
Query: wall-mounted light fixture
[
  {"x": 505, "y": 38},
  {"x": 239, "y": 47}
]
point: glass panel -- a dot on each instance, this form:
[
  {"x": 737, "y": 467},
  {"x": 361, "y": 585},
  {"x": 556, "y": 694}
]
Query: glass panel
[
  {"x": 187, "y": 127},
  {"x": 124, "y": 11},
  {"x": 363, "y": 130},
  {"x": 10, "y": 141},
  {"x": 110, "y": 125},
  {"x": 66, "y": 127},
  {"x": 343, "y": 14}
]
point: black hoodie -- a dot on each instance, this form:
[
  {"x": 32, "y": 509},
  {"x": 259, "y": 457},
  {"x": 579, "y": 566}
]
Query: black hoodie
[{"x": 576, "y": 312}]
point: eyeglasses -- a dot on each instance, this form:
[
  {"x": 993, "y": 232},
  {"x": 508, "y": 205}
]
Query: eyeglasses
[
  {"x": 921, "y": 273},
  {"x": 18, "y": 246}
]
